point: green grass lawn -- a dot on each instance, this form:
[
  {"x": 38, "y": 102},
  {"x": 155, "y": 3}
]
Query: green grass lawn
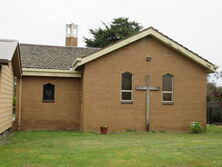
[{"x": 134, "y": 149}]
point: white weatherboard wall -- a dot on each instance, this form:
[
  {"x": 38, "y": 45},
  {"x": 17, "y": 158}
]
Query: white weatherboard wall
[{"x": 6, "y": 96}]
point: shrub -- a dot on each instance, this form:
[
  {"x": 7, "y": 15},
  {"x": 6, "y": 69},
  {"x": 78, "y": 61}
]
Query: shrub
[{"x": 196, "y": 127}]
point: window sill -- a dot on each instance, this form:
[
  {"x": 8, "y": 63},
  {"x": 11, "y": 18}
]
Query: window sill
[
  {"x": 167, "y": 102},
  {"x": 126, "y": 102},
  {"x": 48, "y": 101}
]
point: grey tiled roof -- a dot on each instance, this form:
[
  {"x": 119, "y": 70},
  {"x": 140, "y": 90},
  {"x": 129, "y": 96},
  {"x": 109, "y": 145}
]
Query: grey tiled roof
[{"x": 51, "y": 57}]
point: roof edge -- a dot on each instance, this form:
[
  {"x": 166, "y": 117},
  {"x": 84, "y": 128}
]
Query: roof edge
[
  {"x": 57, "y": 46},
  {"x": 51, "y": 73},
  {"x": 4, "y": 61},
  {"x": 210, "y": 67}
]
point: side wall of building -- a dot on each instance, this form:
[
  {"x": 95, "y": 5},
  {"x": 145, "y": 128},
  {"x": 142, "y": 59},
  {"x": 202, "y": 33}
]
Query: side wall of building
[
  {"x": 102, "y": 85},
  {"x": 6, "y": 96},
  {"x": 62, "y": 114}
]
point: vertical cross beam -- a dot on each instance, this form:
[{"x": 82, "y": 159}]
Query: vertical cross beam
[{"x": 147, "y": 102}]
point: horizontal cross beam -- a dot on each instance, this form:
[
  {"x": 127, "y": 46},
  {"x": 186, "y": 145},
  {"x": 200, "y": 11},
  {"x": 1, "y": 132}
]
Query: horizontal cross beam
[{"x": 152, "y": 88}]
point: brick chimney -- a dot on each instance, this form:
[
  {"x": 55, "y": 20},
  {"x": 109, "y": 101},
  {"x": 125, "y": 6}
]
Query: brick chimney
[{"x": 71, "y": 35}]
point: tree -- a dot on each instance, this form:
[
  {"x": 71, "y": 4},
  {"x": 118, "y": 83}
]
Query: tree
[
  {"x": 214, "y": 92},
  {"x": 211, "y": 91},
  {"x": 118, "y": 29}
]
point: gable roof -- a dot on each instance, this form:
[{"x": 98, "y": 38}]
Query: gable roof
[
  {"x": 51, "y": 57},
  {"x": 210, "y": 67}
]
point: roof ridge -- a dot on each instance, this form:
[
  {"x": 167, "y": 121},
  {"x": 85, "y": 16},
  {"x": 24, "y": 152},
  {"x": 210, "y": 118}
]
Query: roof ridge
[
  {"x": 8, "y": 40},
  {"x": 57, "y": 46}
]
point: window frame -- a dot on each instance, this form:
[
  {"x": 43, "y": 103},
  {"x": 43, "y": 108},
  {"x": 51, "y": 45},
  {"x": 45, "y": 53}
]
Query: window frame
[
  {"x": 43, "y": 93},
  {"x": 122, "y": 91},
  {"x": 169, "y": 92}
]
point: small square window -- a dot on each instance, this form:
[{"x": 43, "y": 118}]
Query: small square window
[
  {"x": 126, "y": 95},
  {"x": 167, "y": 97}
]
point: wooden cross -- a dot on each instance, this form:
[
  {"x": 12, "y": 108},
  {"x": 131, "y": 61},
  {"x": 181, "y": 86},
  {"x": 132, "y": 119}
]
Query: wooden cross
[{"x": 147, "y": 88}]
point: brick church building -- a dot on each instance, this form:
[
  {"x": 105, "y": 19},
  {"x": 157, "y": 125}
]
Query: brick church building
[{"x": 144, "y": 82}]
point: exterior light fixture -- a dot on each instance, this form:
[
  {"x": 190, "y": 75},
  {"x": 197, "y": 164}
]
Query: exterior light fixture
[{"x": 148, "y": 58}]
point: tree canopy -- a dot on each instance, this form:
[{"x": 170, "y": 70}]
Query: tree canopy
[
  {"x": 118, "y": 29},
  {"x": 214, "y": 92}
]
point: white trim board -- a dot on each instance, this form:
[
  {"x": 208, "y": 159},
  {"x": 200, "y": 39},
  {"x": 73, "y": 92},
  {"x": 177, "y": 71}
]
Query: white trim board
[
  {"x": 159, "y": 36},
  {"x": 50, "y": 73}
]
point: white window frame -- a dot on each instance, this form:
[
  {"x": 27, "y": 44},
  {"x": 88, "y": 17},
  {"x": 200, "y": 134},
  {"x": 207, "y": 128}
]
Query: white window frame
[
  {"x": 121, "y": 91},
  {"x": 171, "y": 92},
  {"x": 131, "y": 91}
]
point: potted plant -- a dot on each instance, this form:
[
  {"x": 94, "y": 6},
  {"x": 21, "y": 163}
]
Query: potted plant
[{"x": 103, "y": 129}]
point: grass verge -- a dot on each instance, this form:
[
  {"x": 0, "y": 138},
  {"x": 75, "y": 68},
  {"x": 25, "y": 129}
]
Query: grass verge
[{"x": 136, "y": 149}]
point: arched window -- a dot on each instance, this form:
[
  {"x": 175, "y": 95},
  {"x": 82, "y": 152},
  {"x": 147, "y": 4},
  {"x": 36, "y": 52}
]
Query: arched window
[
  {"x": 167, "y": 89},
  {"x": 127, "y": 87},
  {"x": 48, "y": 92}
]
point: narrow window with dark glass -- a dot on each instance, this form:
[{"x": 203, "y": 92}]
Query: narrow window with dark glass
[
  {"x": 167, "y": 89},
  {"x": 126, "y": 88},
  {"x": 48, "y": 92}
]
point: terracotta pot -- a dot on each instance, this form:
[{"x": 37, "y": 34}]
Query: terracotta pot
[{"x": 103, "y": 130}]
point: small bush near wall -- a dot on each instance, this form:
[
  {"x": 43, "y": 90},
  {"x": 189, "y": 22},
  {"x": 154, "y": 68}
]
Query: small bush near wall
[{"x": 196, "y": 127}]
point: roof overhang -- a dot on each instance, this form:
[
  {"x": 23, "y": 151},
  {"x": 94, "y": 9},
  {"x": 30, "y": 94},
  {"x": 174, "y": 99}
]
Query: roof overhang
[
  {"x": 210, "y": 68},
  {"x": 51, "y": 73},
  {"x": 10, "y": 52},
  {"x": 4, "y": 61},
  {"x": 7, "y": 48}
]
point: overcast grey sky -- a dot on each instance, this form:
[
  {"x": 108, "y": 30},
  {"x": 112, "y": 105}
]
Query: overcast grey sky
[{"x": 197, "y": 24}]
